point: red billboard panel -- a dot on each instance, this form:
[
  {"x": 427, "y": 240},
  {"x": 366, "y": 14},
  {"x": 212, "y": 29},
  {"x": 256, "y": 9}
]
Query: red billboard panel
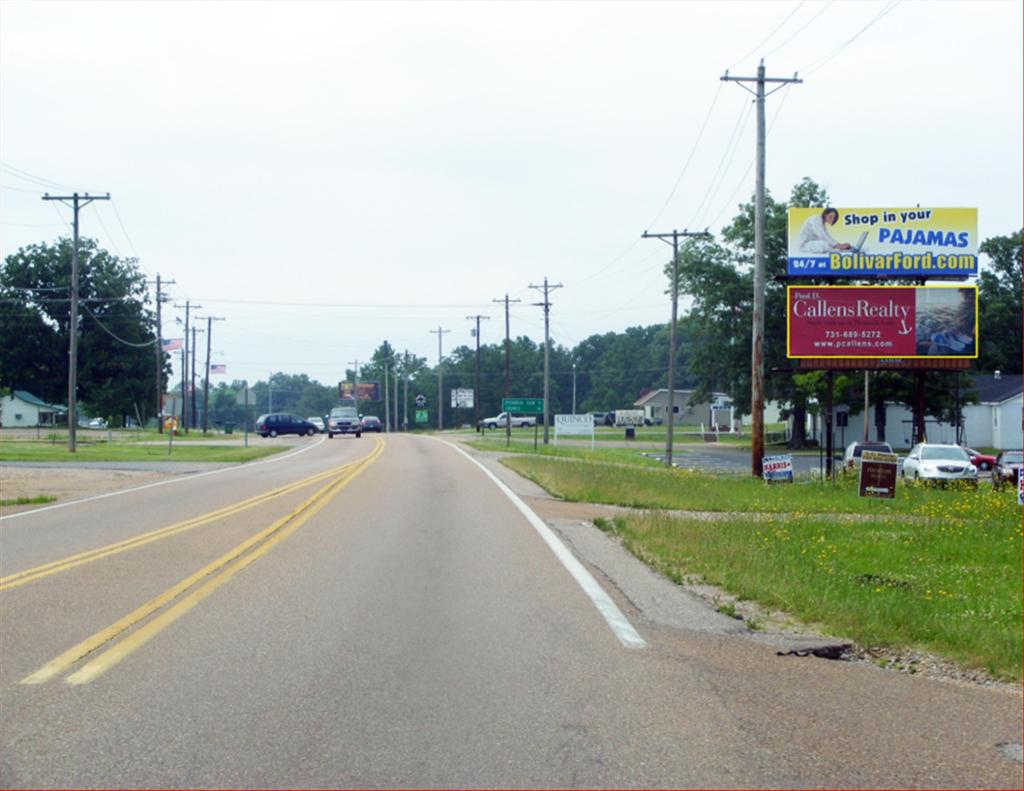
[{"x": 931, "y": 322}]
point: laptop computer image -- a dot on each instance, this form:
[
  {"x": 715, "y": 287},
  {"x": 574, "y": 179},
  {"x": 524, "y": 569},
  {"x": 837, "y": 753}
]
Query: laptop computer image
[{"x": 860, "y": 243}]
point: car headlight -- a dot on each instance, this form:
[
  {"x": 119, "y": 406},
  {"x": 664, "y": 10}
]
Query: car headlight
[
  {"x": 972, "y": 470},
  {"x": 927, "y": 468}
]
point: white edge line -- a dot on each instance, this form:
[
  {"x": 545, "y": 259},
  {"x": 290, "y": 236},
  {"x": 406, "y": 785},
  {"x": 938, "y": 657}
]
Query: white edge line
[
  {"x": 276, "y": 457},
  {"x": 618, "y": 622}
]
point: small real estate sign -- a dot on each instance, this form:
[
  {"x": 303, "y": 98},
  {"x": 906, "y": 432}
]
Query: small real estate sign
[
  {"x": 777, "y": 469},
  {"x": 930, "y": 322},
  {"x": 878, "y": 474},
  {"x": 574, "y": 425},
  {"x": 882, "y": 242}
]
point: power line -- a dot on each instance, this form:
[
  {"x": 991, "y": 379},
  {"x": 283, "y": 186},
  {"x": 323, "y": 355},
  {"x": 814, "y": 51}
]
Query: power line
[
  {"x": 800, "y": 30},
  {"x": 815, "y": 65},
  {"x": 769, "y": 36}
]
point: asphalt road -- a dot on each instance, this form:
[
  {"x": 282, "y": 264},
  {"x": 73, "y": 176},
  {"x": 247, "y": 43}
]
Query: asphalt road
[{"x": 409, "y": 625}]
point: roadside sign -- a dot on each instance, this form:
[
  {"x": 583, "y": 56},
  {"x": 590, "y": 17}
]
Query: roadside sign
[
  {"x": 777, "y": 469},
  {"x": 462, "y": 398},
  {"x": 524, "y": 406},
  {"x": 878, "y": 474},
  {"x": 629, "y": 417},
  {"x": 421, "y": 416},
  {"x": 421, "y": 400}
]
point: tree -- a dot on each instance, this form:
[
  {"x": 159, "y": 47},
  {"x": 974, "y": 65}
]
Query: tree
[
  {"x": 999, "y": 305},
  {"x": 116, "y": 328}
]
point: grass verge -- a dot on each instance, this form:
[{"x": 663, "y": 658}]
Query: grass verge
[
  {"x": 120, "y": 451},
  {"x": 935, "y": 569},
  {"x": 37, "y": 500}
]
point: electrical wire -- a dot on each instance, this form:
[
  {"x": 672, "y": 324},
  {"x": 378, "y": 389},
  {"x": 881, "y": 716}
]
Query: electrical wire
[
  {"x": 115, "y": 337},
  {"x": 741, "y": 121},
  {"x": 769, "y": 36},
  {"x": 815, "y": 65},
  {"x": 800, "y": 30}
]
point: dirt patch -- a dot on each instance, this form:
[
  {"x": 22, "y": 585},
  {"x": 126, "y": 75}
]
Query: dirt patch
[{"x": 66, "y": 484}]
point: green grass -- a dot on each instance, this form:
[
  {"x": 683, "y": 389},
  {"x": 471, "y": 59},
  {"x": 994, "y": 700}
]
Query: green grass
[
  {"x": 606, "y": 455},
  {"x": 120, "y": 435},
  {"x": 934, "y": 569},
  {"x": 950, "y": 586},
  {"x": 591, "y": 481},
  {"x": 37, "y": 500},
  {"x": 121, "y": 451}
]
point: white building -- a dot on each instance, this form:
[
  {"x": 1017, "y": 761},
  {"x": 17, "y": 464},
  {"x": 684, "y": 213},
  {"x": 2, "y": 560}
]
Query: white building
[{"x": 21, "y": 409}]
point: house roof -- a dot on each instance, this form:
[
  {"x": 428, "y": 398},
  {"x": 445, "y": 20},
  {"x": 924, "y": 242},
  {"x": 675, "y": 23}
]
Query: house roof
[
  {"x": 650, "y": 396},
  {"x": 994, "y": 391},
  {"x": 28, "y": 398}
]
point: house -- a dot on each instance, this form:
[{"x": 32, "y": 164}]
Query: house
[
  {"x": 688, "y": 413},
  {"x": 21, "y": 409}
]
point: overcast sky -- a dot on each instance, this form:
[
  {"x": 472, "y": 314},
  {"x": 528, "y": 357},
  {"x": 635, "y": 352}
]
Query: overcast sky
[{"x": 328, "y": 175}]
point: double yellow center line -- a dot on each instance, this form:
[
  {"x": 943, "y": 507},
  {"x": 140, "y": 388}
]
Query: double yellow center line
[{"x": 177, "y": 600}]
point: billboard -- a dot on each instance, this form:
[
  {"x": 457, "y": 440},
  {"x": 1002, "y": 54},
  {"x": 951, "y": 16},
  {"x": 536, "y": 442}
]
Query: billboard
[
  {"x": 462, "y": 398},
  {"x": 827, "y": 242},
  {"x": 931, "y": 322},
  {"x": 366, "y": 391}
]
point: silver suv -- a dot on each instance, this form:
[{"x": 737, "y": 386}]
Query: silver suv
[{"x": 344, "y": 420}]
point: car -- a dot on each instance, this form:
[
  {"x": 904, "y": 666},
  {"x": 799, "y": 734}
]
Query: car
[
  {"x": 598, "y": 418},
  {"x": 982, "y": 461},
  {"x": 1007, "y": 468},
  {"x": 344, "y": 420},
  {"x": 851, "y": 459},
  {"x": 278, "y": 423},
  {"x": 318, "y": 422},
  {"x": 939, "y": 464},
  {"x": 371, "y": 423}
]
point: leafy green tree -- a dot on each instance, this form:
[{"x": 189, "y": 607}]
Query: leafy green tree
[
  {"x": 116, "y": 328},
  {"x": 999, "y": 305}
]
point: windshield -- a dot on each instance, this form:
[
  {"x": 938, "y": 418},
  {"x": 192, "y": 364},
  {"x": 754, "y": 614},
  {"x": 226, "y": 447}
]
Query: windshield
[
  {"x": 946, "y": 453},
  {"x": 1013, "y": 458},
  {"x": 344, "y": 411}
]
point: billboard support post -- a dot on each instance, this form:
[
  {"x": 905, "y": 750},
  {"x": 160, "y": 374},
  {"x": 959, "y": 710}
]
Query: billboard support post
[{"x": 829, "y": 438}]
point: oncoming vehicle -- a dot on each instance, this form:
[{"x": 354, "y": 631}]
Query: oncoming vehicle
[
  {"x": 344, "y": 420},
  {"x": 318, "y": 422},
  {"x": 851, "y": 459},
  {"x": 283, "y": 423},
  {"x": 939, "y": 464},
  {"x": 371, "y": 423}
]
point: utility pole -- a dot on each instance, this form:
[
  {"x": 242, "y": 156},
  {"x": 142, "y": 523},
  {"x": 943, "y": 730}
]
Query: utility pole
[
  {"x": 674, "y": 236},
  {"x": 160, "y": 357},
  {"x": 476, "y": 393},
  {"x": 76, "y": 204},
  {"x": 194, "y": 415},
  {"x": 355, "y": 383},
  {"x": 574, "y": 387},
  {"x": 757, "y": 353},
  {"x": 387, "y": 403},
  {"x": 186, "y": 410},
  {"x": 547, "y": 349},
  {"x": 508, "y": 341},
  {"x": 440, "y": 378},
  {"x": 206, "y": 383},
  {"x": 405, "y": 391}
]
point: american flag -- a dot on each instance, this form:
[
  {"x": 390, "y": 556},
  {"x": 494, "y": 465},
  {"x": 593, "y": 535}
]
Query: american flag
[
  {"x": 172, "y": 344},
  {"x": 218, "y": 369}
]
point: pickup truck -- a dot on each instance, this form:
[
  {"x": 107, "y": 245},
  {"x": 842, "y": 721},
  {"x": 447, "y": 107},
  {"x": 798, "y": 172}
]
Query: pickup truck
[
  {"x": 518, "y": 421},
  {"x": 344, "y": 420}
]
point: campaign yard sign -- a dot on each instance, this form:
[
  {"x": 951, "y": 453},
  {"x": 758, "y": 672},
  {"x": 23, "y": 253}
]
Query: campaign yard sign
[
  {"x": 777, "y": 469},
  {"x": 927, "y": 322},
  {"x": 882, "y": 242}
]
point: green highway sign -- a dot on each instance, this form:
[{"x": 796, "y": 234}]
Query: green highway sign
[
  {"x": 421, "y": 416},
  {"x": 524, "y": 406}
]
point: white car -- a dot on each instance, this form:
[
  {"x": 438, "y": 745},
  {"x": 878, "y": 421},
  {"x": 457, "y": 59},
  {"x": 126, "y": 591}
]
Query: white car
[
  {"x": 318, "y": 422},
  {"x": 939, "y": 463}
]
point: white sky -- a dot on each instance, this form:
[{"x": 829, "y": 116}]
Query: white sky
[{"x": 328, "y": 175}]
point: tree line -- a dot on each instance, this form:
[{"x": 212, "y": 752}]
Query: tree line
[{"x": 603, "y": 372}]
